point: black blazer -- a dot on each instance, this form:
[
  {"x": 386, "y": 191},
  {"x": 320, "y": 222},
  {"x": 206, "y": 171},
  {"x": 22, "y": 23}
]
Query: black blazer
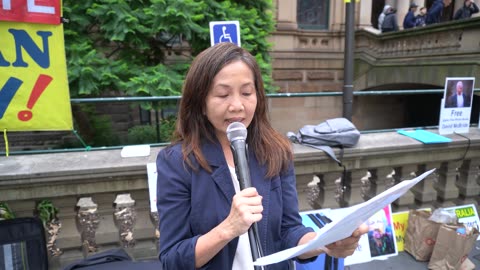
[{"x": 452, "y": 101}]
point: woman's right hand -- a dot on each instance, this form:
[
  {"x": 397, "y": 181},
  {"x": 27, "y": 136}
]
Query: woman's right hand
[{"x": 246, "y": 209}]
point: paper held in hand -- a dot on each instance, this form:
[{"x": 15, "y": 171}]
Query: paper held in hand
[{"x": 352, "y": 217}]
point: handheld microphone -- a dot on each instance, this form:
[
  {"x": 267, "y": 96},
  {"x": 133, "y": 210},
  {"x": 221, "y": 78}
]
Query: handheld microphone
[{"x": 237, "y": 135}]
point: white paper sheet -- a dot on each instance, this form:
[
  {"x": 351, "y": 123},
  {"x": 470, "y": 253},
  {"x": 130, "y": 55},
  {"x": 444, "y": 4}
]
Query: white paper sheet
[
  {"x": 135, "y": 151},
  {"x": 351, "y": 218}
]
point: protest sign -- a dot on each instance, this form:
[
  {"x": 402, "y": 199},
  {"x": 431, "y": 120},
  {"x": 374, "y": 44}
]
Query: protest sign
[{"x": 34, "y": 92}]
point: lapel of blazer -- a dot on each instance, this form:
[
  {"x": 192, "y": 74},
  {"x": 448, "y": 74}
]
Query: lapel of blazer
[{"x": 220, "y": 173}]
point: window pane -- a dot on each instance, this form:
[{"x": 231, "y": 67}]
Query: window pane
[{"x": 312, "y": 14}]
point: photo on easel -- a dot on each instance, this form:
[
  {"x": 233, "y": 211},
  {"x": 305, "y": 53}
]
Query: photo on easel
[
  {"x": 458, "y": 92},
  {"x": 456, "y": 105},
  {"x": 381, "y": 234}
]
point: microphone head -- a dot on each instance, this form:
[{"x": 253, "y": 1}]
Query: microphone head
[{"x": 236, "y": 131}]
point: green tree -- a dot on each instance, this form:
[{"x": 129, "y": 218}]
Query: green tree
[{"x": 121, "y": 45}]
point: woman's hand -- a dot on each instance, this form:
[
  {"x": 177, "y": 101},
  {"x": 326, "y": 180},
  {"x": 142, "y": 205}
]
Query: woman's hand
[
  {"x": 347, "y": 246},
  {"x": 339, "y": 249},
  {"x": 246, "y": 209}
]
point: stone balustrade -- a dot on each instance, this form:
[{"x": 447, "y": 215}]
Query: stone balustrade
[
  {"x": 103, "y": 198},
  {"x": 428, "y": 41},
  {"x": 424, "y": 55}
]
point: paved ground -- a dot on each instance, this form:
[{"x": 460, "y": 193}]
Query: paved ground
[{"x": 406, "y": 261}]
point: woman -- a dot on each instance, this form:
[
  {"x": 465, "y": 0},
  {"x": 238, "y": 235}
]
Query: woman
[{"x": 203, "y": 215}]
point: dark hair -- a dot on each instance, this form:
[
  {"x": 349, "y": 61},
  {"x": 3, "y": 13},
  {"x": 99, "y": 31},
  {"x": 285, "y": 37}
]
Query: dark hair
[{"x": 270, "y": 147}]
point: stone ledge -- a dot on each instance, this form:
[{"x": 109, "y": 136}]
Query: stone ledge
[{"x": 101, "y": 175}]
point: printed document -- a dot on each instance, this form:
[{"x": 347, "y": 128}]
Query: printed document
[{"x": 343, "y": 227}]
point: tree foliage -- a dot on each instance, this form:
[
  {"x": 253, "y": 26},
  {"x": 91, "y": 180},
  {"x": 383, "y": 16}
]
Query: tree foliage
[{"x": 121, "y": 45}]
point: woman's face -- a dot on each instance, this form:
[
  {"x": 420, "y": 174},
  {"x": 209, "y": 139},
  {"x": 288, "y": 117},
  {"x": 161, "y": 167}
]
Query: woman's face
[{"x": 232, "y": 98}]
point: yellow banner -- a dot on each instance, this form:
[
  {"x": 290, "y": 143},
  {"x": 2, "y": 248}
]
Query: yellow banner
[
  {"x": 34, "y": 92},
  {"x": 400, "y": 222}
]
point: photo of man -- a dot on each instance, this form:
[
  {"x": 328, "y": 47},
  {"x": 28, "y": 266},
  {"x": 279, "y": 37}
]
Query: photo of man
[
  {"x": 459, "y": 94},
  {"x": 381, "y": 235}
]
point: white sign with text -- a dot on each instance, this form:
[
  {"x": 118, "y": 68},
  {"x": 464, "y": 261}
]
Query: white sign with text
[{"x": 456, "y": 106}]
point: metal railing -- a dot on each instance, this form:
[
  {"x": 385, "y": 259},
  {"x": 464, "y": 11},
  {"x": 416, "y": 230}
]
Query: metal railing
[
  {"x": 157, "y": 99},
  {"x": 277, "y": 95}
]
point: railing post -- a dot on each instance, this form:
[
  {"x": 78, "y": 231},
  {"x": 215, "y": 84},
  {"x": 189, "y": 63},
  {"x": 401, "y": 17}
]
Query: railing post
[
  {"x": 424, "y": 192},
  {"x": 88, "y": 220},
  {"x": 404, "y": 173},
  {"x": 125, "y": 216},
  {"x": 375, "y": 184},
  {"x": 469, "y": 181},
  {"x": 156, "y": 221},
  {"x": 328, "y": 190},
  {"x": 446, "y": 188},
  {"x": 356, "y": 186}
]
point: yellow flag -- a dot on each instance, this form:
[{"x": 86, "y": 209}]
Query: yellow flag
[{"x": 34, "y": 92}]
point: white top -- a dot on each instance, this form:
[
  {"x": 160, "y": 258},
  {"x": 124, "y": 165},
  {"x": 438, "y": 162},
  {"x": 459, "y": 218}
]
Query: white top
[
  {"x": 243, "y": 256},
  {"x": 459, "y": 100}
]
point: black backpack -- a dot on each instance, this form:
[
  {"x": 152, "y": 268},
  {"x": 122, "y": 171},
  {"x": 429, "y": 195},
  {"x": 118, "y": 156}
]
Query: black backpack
[{"x": 22, "y": 244}]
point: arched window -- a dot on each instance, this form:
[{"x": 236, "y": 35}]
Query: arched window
[{"x": 312, "y": 14}]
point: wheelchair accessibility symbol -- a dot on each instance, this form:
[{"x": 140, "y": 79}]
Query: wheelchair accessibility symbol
[
  {"x": 225, "y": 37},
  {"x": 224, "y": 31}
]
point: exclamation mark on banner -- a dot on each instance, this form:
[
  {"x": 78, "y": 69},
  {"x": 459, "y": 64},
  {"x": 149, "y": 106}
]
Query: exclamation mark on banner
[
  {"x": 42, "y": 82},
  {"x": 7, "y": 92}
]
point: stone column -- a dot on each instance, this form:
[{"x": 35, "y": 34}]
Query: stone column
[
  {"x": 364, "y": 7},
  {"x": 337, "y": 15},
  {"x": 328, "y": 190},
  {"x": 307, "y": 190},
  {"x": 404, "y": 173},
  {"x": 420, "y": 3},
  {"x": 468, "y": 180},
  {"x": 403, "y": 7},
  {"x": 155, "y": 218},
  {"x": 424, "y": 192},
  {"x": 392, "y": 3},
  {"x": 286, "y": 15},
  {"x": 88, "y": 221},
  {"x": 312, "y": 193},
  {"x": 125, "y": 216},
  {"x": 446, "y": 188},
  {"x": 459, "y": 4},
  {"x": 356, "y": 177},
  {"x": 375, "y": 184}
]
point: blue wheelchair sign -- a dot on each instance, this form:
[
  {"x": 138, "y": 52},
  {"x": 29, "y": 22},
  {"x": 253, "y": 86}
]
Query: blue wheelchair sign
[{"x": 225, "y": 31}]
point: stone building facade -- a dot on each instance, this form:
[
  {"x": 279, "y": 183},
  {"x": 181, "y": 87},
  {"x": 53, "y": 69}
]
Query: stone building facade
[{"x": 308, "y": 56}]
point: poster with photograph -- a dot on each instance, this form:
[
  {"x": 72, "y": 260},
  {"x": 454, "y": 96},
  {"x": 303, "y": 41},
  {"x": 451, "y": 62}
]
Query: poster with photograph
[
  {"x": 456, "y": 105},
  {"x": 381, "y": 234},
  {"x": 380, "y": 241}
]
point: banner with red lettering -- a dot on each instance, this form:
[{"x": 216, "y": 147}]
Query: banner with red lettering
[
  {"x": 31, "y": 11},
  {"x": 34, "y": 92}
]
